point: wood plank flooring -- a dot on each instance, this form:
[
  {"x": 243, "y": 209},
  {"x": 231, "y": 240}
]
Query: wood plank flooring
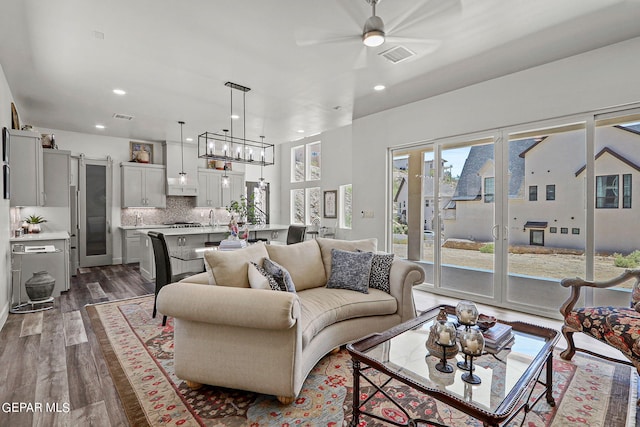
[{"x": 53, "y": 357}]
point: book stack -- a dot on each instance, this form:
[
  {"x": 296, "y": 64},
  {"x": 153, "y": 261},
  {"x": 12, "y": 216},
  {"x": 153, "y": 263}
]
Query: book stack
[
  {"x": 232, "y": 245},
  {"x": 497, "y": 337}
]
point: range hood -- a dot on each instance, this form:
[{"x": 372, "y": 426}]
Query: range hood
[{"x": 173, "y": 158}]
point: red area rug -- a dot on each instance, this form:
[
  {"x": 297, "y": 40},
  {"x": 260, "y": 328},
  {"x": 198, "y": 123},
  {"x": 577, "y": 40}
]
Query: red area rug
[{"x": 139, "y": 353}]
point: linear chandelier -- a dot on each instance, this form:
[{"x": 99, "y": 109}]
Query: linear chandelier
[{"x": 228, "y": 147}]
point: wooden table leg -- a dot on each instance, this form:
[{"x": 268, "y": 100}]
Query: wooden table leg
[
  {"x": 355, "y": 410},
  {"x": 550, "y": 400}
]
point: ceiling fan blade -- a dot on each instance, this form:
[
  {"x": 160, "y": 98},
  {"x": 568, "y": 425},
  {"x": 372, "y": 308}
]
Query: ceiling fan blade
[
  {"x": 423, "y": 11},
  {"x": 328, "y": 40}
]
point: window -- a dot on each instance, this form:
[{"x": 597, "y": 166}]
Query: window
[
  {"x": 551, "y": 192},
  {"x": 564, "y": 230},
  {"x": 297, "y": 206},
  {"x": 297, "y": 164},
  {"x": 607, "y": 191},
  {"x": 313, "y": 198},
  {"x": 553, "y": 229},
  {"x": 313, "y": 161},
  {"x": 489, "y": 190},
  {"x": 626, "y": 191},
  {"x": 344, "y": 207},
  {"x": 533, "y": 193},
  {"x": 575, "y": 231}
]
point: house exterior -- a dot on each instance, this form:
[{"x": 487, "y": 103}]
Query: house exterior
[{"x": 547, "y": 185}]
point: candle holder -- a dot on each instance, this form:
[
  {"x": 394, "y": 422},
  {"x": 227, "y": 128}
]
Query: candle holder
[
  {"x": 467, "y": 313},
  {"x": 472, "y": 344},
  {"x": 445, "y": 334}
]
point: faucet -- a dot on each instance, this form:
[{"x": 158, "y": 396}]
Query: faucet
[
  {"x": 211, "y": 216},
  {"x": 138, "y": 218}
]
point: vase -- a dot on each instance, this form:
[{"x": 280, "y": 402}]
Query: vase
[
  {"x": 34, "y": 228},
  {"x": 40, "y": 286}
]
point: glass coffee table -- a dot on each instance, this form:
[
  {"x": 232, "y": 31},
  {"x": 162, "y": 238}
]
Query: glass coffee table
[{"x": 508, "y": 376}]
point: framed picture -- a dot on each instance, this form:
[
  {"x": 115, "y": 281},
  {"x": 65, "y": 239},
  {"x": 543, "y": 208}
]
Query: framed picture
[
  {"x": 330, "y": 206},
  {"x": 15, "y": 120},
  {"x": 5, "y": 145},
  {"x": 140, "y": 152}
]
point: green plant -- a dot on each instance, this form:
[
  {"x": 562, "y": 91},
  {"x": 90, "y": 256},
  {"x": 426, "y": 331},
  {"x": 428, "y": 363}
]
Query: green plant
[
  {"x": 243, "y": 209},
  {"x": 629, "y": 261},
  {"x": 487, "y": 248},
  {"x": 35, "y": 219},
  {"x": 399, "y": 228}
]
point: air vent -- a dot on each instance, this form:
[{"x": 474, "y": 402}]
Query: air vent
[
  {"x": 122, "y": 116},
  {"x": 397, "y": 54}
]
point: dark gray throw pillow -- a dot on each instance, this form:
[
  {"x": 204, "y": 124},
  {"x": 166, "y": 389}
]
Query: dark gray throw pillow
[
  {"x": 350, "y": 270},
  {"x": 280, "y": 274}
]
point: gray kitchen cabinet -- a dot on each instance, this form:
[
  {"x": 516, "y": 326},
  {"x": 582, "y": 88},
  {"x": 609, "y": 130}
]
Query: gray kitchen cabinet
[
  {"x": 211, "y": 191},
  {"x": 57, "y": 177},
  {"x": 185, "y": 243},
  {"x": 143, "y": 186},
  {"x": 27, "y": 178}
]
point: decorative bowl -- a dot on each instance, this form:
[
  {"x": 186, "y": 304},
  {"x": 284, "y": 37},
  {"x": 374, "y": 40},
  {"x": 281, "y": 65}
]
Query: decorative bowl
[{"x": 485, "y": 321}]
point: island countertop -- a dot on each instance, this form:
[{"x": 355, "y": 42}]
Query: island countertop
[{"x": 212, "y": 230}]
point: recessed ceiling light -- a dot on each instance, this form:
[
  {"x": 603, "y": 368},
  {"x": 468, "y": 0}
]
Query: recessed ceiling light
[
  {"x": 189, "y": 139},
  {"x": 300, "y": 130},
  {"x": 235, "y": 116},
  {"x": 119, "y": 92},
  {"x": 379, "y": 87},
  {"x": 99, "y": 126}
]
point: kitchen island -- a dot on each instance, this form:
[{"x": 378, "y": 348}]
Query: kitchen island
[{"x": 192, "y": 238}]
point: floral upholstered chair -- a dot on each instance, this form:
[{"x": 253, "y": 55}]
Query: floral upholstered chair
[{"x": 617, "y": 326}]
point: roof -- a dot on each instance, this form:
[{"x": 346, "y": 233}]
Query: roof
[
  {"x": 470, "y": 183},
  {"x": 614, "y": 154},
  {"x": 535, "y": 224}
]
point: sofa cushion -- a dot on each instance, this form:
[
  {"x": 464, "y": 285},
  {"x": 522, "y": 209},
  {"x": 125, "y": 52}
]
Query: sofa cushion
[
  {"x": 279, "y": 274},
  {"x": 260, "y": 279},
  {"x": 230, "y": 268},
  {"x": 322, "y": 307},
  {"x": 303, "y": 261},
  {"x": 350, "y": 270},
  {"x": 365, "y": 245}
]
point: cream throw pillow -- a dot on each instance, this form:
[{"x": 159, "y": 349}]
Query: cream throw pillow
[
  {"x": 303, "y": 261},
  {"x": 230, "y": 268}
]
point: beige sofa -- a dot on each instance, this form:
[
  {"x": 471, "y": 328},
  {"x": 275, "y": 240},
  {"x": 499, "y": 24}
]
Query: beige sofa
[{"x": 265, "y": 341}]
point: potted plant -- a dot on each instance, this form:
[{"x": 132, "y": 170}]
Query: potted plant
[
  {"x": 34, "y": 222},
  {"x": 240, "y": 210}
]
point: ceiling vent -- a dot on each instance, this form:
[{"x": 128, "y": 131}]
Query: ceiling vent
[
  {"x": 122, "y": 116},
  {"x": 397, "y": 54}
]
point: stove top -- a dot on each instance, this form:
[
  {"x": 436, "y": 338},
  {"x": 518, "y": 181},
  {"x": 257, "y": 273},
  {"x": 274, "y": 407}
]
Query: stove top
[{"x": 184, "y": 224}]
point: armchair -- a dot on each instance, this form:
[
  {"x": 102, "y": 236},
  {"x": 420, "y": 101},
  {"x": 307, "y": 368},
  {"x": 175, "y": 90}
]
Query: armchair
[{"x": 618, "y": 327}]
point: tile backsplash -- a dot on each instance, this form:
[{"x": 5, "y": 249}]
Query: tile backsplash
[{"x": 178, "y": 209}]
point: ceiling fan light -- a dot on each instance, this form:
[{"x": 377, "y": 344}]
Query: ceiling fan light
[{"x": 373, "y": 38}]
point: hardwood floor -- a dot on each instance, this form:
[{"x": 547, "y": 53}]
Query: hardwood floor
[{"x": 53, "y": 357}]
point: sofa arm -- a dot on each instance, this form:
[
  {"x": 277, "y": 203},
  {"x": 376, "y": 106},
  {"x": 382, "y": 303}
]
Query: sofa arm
[
  {"x": 222, "y": 305},
  {"x": 403, "y": 276}
]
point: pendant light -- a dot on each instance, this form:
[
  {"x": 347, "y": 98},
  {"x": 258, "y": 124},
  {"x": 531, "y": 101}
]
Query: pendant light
[
  {"x": 225, "y": 178},
  {"x": 261, "y": 182},
  {"x": 183, "y": 174}
]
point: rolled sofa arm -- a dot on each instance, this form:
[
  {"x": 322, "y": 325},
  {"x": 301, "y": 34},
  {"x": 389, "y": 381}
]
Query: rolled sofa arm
[
  {"x": 223, "y": 305},
  {"x": 403, "y": 276}
]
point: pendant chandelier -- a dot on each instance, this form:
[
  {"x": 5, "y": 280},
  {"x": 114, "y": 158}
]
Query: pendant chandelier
[
  {"x": 229, "y": 147},
  {"x": 262, "y": 183},
  {"x": 183, "y": 174}
]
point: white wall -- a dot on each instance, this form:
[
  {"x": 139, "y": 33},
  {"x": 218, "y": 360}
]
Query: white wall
[
  {"x": 594, "y": 80},
  {"x": 5, "y": 221}
]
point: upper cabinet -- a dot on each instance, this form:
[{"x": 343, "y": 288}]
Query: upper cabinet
[
  {"x": 27, "y": 173},
  {"x": 143, "y": 185},
  {"x": 57, "y": 177},
  {"x": 177, "y": 161},
  {"x": 212, "y": 193}
]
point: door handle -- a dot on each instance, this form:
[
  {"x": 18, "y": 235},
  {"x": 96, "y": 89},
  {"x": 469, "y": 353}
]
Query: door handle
[
  {"x": 493, "y": 232},
  {"x": 506, "y": 232}
]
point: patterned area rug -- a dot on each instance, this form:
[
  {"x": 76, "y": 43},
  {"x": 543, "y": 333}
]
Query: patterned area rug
[{"x": 139, "y": 352}]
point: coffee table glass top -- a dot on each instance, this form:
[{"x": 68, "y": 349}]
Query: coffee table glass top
[{"x": 504, "y": 374}]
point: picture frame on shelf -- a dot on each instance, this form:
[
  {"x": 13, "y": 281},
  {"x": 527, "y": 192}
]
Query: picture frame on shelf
[
  {"x": 330, "y": 204},
  {"x": 140, "y": 152}
]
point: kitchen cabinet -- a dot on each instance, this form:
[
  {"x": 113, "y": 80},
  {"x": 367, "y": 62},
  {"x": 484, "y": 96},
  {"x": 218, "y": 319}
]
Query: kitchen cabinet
[
  {"x": 57, "y": 177},
  {"x": 143, "y": 186},
  {"x": 185, "y": 242},
  {"x": 130, "y": 246},
  {"x": 174, "y": 162},
  {"x": 211, "y": 191},
  {"x": 26, "y": 163}
]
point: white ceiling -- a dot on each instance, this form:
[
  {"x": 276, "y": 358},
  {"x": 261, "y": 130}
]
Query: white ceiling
[{"x": 173, "y": 58}]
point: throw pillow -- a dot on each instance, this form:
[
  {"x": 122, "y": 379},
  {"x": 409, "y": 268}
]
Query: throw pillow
[
  {"x": 350, "y": 270},
  {"x": 380, "y": 272},
  {"x": 260, "y": 279},
  {"x": 230, "y": 268},
  {"x": 207, "y": 268},
  {"x": 280, "y": 274}
]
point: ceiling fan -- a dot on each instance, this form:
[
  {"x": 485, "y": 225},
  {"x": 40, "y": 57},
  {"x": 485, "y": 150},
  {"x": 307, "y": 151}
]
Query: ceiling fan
[{"x": 374, "y": 32}]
